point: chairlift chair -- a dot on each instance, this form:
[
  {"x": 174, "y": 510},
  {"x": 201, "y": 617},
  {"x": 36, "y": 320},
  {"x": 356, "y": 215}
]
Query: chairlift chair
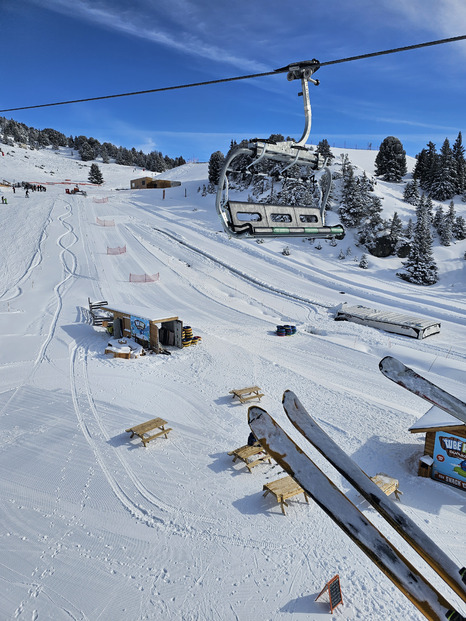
[{"x": 291, "y": 166}]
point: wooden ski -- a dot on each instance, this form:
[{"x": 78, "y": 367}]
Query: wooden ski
[
  {"x": 389, "y": 509},
  {"x": 422, "y": 387},
  {"x": 348, "y": 517}
]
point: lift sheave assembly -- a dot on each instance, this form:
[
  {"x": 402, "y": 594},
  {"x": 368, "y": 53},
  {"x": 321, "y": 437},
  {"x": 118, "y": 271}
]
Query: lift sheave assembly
[{"x": 290, "y": 182}]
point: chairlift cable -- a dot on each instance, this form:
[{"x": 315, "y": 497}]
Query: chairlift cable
[{"x": 244, "y": 77}]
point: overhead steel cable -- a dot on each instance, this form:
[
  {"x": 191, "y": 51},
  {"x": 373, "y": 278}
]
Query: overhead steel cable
[{"x": 244, "y": 77}]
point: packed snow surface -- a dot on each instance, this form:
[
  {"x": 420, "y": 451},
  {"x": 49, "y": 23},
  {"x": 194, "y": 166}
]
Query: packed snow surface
[{"x": 94, "y": 525}]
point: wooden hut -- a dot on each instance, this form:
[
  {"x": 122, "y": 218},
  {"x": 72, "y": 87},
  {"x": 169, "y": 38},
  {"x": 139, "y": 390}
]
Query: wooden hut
[
  {"x": 151, "y": 183},
  {"x": 150, "y": 329}
]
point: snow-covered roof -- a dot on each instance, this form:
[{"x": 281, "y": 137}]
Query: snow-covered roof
[
  {"x": 152, "y": 314},
  {"x": 435, "y": 418},
  {"x": 386, "y": 316}
]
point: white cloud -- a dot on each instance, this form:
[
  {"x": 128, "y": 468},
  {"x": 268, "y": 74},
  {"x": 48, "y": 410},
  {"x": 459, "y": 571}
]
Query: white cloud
[{"x": 152, "y": 25}]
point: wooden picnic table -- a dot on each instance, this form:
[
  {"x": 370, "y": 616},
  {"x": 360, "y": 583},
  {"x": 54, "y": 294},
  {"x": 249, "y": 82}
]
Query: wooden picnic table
[
  {"x": 147, "y": 427},
  {"x": 245, "y": 453},
  {"x": 387, "y": 484},
  {"x": 283, "y": 489},
  {"x": 246, "y": 394}
]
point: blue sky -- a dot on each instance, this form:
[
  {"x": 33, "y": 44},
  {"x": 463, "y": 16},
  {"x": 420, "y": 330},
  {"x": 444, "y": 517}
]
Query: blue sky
[{"x": 74, "y": 49}]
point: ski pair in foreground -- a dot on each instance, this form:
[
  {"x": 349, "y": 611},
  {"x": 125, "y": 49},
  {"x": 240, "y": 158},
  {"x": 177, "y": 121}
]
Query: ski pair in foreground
[
  {"x": 347, "y": 516},
  {"x": 415, "y": 383}
]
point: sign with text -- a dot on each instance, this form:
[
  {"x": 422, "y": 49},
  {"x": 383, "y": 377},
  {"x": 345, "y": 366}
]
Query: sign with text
[
  {"x": 449, "y": 465},
  {"x": 140, "y": 327}
]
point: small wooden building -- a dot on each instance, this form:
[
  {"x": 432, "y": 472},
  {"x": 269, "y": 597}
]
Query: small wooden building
[
  {"x": 444, "y": 456},
  {"x": 149, "y": 329},
  {"x": 150, "y": 183}
]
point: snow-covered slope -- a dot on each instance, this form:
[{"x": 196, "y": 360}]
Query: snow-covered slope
[{"x": 94, "y": 526}]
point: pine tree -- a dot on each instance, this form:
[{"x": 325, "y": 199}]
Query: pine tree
[
  {"x": 215, "y": 166},
  {"x": 459, "y": 228},
  {"x": 396, "y": 227},
  {"x": 420, "y": 267},
  {"x": 446, "y": 231},
  {"x": 95, "y": 175},
  {"x": 364, "y": 263},
  {"x": 86, "y": 152},
  {"x": 324, "y": 149},
  {"x": 438, "y": 218},
  {"x": 351, "y": 209},
  {"x": 391, "y": 160},
  {"x": 460, "y": 163},
  {"x": 430, "y": 208},
  {"x": 444, "y": 182},
  {"x": 411, "y": 192},
  {"x": 409, "y": 230},
  {"x": 448, "y": 222},
  {"x": 425, "y": 166}
]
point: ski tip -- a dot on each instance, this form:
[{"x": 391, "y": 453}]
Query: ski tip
[
  {"x": 392, "y": 364},
  {"x": 288, "y": 396},
  {"x": 254, "y": 413},
  {"x": 383, "y": 363}
]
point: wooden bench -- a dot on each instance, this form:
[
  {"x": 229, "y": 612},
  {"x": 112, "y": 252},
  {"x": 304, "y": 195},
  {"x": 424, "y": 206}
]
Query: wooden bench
[
  {"x": 387, "y": 484},
  {"x": 147, "y": 427},
  {"x": 283, "y": 489},
  {"x": 246, "y": 394},
  {"x": 245, "y": 453}
]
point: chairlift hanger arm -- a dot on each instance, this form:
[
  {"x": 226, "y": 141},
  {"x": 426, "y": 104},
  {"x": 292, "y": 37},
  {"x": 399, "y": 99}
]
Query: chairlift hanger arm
[{"x": 303, "y": 71}]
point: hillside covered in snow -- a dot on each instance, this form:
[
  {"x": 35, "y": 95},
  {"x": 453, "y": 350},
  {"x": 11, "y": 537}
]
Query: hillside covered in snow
[{"x": 94, "y": 525}]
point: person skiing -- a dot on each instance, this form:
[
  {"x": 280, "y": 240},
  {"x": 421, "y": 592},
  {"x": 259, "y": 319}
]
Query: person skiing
[{"x": 27, "y": 193}]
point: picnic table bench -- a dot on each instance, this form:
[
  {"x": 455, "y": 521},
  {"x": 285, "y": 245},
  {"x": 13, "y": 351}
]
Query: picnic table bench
[
  {"x": 387, "y": 484},
  {"x": 246, "y": 394},
  {"x": 245, "y": 453},
  {"x": 147, "y": 427},
  {"x": 283, "y": 489}
]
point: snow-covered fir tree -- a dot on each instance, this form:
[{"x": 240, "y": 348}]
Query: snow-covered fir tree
[
  {"x": 411, "y": 192},
  {"x": 95, "y": 175},
  {"x": 215, "y": 166},
  {"x": 430, "y": 207},
  {"x": 364, "y": 263},
  {"x": 460, "y": 163},
  {"x": 324, "y": 149},
  {"x": 444, "y": 181},
  {"x": 446, "y": 230},
  {"x": 459, "y": 228},
  {"x": 438, "y": 218},
  {"x": 352, "y": 209},
  {"x": 420, "y": 267},
  {"x": 390, "y": 163},
  {"x": 396, "y": 227},
  {"x": 87, "y": 152},
  {"x": 409, "y": 229},
  {"x": 424, "y": 169}
]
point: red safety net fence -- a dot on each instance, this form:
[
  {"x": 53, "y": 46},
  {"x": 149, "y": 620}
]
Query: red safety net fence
[
  {"x": 105, "y": 222},
  {"x": 144, "y": 277},
  {"x": 100, "y": 200},
  {"x": 117, "y": 250}
]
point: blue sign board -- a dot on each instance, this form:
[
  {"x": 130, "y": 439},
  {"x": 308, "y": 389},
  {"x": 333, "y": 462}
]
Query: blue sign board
[
  {"x": 449, "y": 464},
  {"x": 140, "y": 327}
]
